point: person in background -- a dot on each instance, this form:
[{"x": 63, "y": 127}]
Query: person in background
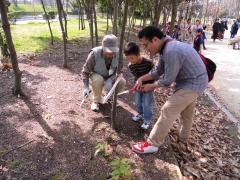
[
  {"x": 204, "y": 36},
  {"x": 101, "y": 67},
  {"x": 175, "y": 34},
  {"x": 140, "y": 66},
  {"x": 198, "y": 41},
  {"x": 183, "y": 30},
  {"x": 216, "y": 29},
  {"x": 190, "y": 35},
  {"x": 234, "y": 29}
]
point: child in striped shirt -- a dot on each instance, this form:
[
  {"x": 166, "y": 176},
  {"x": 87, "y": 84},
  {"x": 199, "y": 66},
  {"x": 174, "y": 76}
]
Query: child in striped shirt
[{"x": 140, "y": 66}]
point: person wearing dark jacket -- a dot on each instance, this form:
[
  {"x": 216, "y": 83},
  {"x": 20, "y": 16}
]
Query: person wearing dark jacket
[
  {"x": 216, "y": 29},
  {"x": 234, "y": 29},
  {"x": 198, "y": 41}
]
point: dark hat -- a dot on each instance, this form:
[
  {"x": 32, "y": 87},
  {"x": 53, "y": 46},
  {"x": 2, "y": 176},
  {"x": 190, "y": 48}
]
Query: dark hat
[{"x": 199, "y": 30}]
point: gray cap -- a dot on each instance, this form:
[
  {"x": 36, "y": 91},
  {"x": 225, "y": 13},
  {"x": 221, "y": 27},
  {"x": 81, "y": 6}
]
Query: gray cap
[{"x": 110, "y": 43}]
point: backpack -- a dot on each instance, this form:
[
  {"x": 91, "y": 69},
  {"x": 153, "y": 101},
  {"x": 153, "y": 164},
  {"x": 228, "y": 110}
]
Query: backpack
[{"x": 210, "y": 66}]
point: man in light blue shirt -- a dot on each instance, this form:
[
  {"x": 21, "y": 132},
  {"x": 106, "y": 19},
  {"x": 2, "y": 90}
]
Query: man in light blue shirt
[{"x": 179, "y": 63}]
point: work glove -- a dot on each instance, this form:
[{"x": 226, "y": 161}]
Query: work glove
[{"x": 86, "y": 93}]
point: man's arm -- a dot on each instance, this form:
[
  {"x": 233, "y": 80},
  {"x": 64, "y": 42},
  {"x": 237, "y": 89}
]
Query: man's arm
[{"x": 88, "y": 68}]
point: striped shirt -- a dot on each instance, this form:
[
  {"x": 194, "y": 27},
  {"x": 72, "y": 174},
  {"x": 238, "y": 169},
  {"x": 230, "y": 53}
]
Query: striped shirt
[
  {"x": 141, "y": 69},
  {"x": 180, "y": 63}
]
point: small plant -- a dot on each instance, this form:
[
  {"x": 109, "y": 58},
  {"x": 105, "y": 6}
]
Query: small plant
[
  {"x": 14, "y": 164},
  {"x": 120, "y": 169},
  {"x": 61, "y": 176},
  {"x": 100, "y": 148}
]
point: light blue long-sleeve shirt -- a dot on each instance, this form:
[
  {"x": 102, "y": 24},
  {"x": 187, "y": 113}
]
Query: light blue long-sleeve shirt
[{"x": 181, "y": 63}]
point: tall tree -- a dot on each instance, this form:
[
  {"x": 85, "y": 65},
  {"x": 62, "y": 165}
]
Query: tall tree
[
  {"x": 157, "y": 11},
  {"x": 88, "y": 6},
  {"x": 174, "y": 13},
  {"x": 120, "y": 64},
  {"x": 115, "y": 15},
  {"x": 47, "y": 18},
  {"x": 95, "y": 22},
  {"x": 64, "y": 36},
  {"x": 13, "y": 54}
]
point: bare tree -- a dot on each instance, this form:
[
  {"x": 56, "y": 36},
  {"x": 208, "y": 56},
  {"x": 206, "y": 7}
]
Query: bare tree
[
  {"x": 60, "y": 14},
  {"x": 115, "y": 14},
  {"x": 47, "y": 18},
  {"x": 206, "y": 11},
  {"x": 13, "y": 54},
  {"x": 95, "y": 22},
  {"x": 88, "y": 6},
  {"x": 120, "y": 64},
  {"x": 157, "y": 12}
]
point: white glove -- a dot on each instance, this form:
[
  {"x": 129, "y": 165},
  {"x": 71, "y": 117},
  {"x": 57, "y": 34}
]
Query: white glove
[{"x": 86, "y": 93}]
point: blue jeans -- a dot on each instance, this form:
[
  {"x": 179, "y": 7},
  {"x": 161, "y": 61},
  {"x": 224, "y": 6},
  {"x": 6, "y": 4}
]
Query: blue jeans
[{"x": 144, "y": 104}]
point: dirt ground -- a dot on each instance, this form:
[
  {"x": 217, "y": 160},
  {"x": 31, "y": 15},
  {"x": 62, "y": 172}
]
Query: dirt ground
[{"x": 58, "y": 137}]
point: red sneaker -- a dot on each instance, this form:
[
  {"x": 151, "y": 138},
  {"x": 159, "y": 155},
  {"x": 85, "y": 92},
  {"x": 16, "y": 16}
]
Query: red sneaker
[{"x": 144, "y": 147}]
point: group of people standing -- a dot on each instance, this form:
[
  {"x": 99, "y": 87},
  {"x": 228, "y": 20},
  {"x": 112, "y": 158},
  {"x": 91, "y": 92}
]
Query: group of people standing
[
  {"x": 178, "y": 63},
  {"x": 190, "y": 33}
]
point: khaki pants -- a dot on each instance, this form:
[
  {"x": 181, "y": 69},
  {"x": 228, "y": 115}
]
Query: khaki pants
[
  {"x": 181, "y": 103},
  {"x": 97, "y": 83}
]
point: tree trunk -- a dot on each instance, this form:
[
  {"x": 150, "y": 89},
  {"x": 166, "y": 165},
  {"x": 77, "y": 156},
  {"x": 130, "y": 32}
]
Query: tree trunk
[
  {"x": 157, "y": 12},
  {"x": 79, "y": 14},
  {"x": 206, "y": 12},
  {"x": 107, "y": 23},
  {"x": 174, "y": 13},
  {"x": 64, "y": 17},
  {"x": 13, "y": 54},
  {"x": 120, "y": 64},
  {"x": 95, "y": 22},
  {"x": 115, "y": 14},
  {"x": 49, "y": 26},
  {"x": 60, "y": 13}
]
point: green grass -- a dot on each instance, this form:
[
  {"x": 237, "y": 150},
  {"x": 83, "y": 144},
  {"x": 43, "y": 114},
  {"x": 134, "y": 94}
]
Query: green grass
[
  {"x": 29, "y": 8},
  {"x": 35, "y": 37}
]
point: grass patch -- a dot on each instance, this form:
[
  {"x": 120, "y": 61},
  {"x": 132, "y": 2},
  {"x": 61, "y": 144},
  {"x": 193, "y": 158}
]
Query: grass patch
[
  {"x": 29, "y": 8},
  {"x": 35, "y": 37},
  {"x": 2, "y": 152},
  {"x": 61, "y": 176}
]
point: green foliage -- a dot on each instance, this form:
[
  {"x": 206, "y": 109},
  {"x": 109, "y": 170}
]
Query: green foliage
[
  {"x": 14, "y": 164},
  {"x": 51, "y": 15},
  {"x": 100, "y": 148},
  {"x": 120, "y": 169},
  {"x": 105, "y": 6}
]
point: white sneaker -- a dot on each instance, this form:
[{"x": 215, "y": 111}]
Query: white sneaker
[
  {"x": 95, "y": 107},
  {"x": 145, "y": 126},
  {"x": 137, "y": 118}
]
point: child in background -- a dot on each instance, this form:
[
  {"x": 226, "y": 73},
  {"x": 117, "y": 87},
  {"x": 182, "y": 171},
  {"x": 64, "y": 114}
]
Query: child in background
[
  {"x": 198, "y": 41},
  {"x": 204, "y": 36},
  {"x": 175, "y": 34},
  {"x": 139, "y": 66}
]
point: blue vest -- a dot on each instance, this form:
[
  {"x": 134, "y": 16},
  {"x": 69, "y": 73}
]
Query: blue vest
[{"x": 100, "y": 66}]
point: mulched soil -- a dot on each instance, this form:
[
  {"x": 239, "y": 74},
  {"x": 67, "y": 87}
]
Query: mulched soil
[{"x": 62, "y": 136}]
